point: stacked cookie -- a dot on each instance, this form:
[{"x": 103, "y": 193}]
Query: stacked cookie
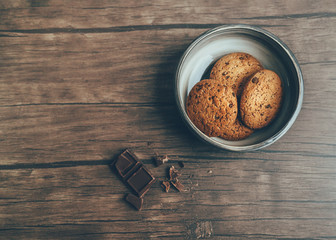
[{"x": 239, "y": 97}]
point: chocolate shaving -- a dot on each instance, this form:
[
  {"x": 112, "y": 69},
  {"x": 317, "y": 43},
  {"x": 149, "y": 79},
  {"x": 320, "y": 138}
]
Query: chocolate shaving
[
  {"x": 173, "y": 179},
  {"x": 165, "y": 185},
  {"x": 173, "y": 173},
  {"x": 159, "y": 160},
  {"x": 178, "y": 185}
]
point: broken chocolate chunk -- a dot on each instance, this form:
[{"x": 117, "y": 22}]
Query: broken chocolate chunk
[
  {"x": 165, "y": 185},
  {"x": 173, "y": 173},
  {"x": 159, "y": 160},
  {"x": 178, "y": 185},
  {"x": 135, "y": 201},
  {"x": 141, "y": 181},
  {"x": 133, "y": 172},
  {"x": 126, "y": 164}
]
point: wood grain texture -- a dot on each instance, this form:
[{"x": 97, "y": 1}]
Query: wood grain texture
[{"x": 84, "y": 79}]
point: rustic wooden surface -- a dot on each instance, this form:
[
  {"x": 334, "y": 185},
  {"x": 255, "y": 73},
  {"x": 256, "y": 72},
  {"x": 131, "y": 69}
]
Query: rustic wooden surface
[{"x": 81, "y": 80}]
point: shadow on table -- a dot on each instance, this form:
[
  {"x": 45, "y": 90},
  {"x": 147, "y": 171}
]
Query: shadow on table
[{"x": 166, "y": 102}]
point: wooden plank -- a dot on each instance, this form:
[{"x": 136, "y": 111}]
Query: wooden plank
[
  {"x": 90, "y": 14},
  {"x": 238, "y": 198},
  {"x": 73, "y": 132},
  {"x": 104, "y": 67},
  {"x": 99, "y": 68}
]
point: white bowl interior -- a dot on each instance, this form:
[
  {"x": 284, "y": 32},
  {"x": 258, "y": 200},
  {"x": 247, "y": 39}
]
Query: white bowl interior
[{"x": 208, "y": 48}]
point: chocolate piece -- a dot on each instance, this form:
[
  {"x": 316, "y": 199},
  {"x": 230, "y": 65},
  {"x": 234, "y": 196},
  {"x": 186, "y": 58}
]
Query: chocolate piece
[
  {"x": 126, "y": 164},
  {"x": 173, "y": 173},
  {"x": 159, "y": 160},
  {"x": 141, "y": 181},
  {"x": 181, "y": 164},
  {"x": 135, "y": 201},
  {"x": 133, "y": 172},
  {"x": 176, "y": 183},
  {"x": 165, "y": 185}
]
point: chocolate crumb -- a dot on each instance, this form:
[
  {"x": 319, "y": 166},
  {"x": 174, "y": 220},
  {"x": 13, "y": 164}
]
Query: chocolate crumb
[
  {"x": 165, "y": 185},
  {"x": 135, "y": 201},
  {"x": 159, "y": 160},
  {"x": 181, "y": 164},
  {"x": 178, "y": 185}
]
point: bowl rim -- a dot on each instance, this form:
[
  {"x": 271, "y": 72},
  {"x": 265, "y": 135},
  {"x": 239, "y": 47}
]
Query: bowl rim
[{"x": 279, "y": 133}]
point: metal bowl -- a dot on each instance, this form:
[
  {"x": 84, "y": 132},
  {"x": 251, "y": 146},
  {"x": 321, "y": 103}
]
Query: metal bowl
[{"x": 273, "y": 54}]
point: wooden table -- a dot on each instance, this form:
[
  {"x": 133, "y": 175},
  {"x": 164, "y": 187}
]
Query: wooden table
[{"x": 82, "y": 80}]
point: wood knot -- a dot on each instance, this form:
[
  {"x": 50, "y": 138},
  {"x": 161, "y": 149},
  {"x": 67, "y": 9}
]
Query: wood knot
[{"x": 203, "y": 229}]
